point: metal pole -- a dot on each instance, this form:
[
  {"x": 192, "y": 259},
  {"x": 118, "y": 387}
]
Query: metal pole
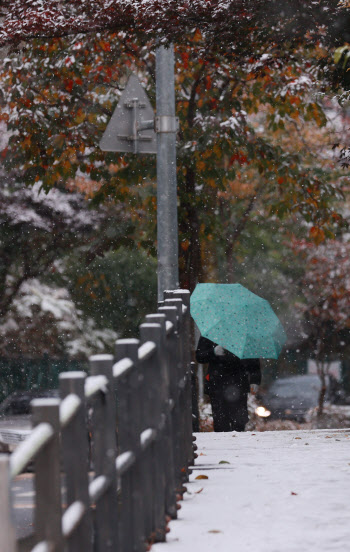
[{"x": 167, "y": 229}]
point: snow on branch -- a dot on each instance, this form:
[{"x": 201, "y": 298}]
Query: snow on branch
[{"x": 169, "y": 19}]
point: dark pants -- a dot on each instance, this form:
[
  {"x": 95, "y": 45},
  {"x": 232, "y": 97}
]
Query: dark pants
[{"x": 230, "y": 411}]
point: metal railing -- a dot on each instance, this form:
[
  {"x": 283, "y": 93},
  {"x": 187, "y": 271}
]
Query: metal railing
[{"x": 119, "y": 442}]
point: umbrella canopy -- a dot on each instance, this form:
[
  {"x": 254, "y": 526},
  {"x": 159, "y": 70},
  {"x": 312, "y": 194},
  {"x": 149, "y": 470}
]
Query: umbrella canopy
[{"x": 238, "y": 320}]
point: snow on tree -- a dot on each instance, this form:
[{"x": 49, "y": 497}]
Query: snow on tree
[
  {"x": 39, "y": 233},
  {"x": 43, "y": 319},
  {"x": 232, "y": 20},
  {"x": 325, "y": 289},
  {"x": 35, "y": 229}
]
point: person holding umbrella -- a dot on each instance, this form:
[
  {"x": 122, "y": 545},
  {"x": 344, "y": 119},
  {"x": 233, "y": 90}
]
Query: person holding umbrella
[
  {"x": 238, "y": 328},
  {"x": 228, "y": 383}
]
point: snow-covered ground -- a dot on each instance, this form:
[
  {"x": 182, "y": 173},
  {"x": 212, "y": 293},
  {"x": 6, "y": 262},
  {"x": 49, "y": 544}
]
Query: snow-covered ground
[{"x": 281, "y": 491}]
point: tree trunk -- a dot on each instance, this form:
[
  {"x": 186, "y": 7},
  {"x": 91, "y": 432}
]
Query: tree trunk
[
  {"x": 235, "y": 234},
  {"x": 321, "y": 373},
  {"x": 190, "y": 262},
  {"x": 230, "y": 263}
]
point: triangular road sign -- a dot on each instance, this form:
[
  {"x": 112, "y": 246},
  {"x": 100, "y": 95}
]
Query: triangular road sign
[{"x": 124, "y": 131}]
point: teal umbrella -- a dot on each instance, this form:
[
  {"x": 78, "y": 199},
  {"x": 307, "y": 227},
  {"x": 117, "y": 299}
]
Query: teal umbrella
[{"x": 238, "y": 320}]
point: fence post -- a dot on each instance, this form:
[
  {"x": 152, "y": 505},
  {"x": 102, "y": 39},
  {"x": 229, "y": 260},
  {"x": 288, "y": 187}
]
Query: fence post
[
  {"x": 7, "y": 531},
  {"x": 167, "y": 442},
  {"x": 146, "y": 438},
  {"x": 129, "y": 415},
  {"x": 181, "y": 369},
  {"x": 175, "y": 411},
  {"x": 153, "y": 332},
  {"x": 160, "y": 318},
  {"x": 185, "y": 296},
  {"x": 195, "y": 405},
  {"x": 104, "y": 455},
  {"x": 75, "y": 449},
  {"x": 48, "y": 507}
]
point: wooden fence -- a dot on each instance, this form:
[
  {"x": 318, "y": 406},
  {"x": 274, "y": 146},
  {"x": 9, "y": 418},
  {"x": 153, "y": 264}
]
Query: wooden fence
[{"x": 117, "y": 444}]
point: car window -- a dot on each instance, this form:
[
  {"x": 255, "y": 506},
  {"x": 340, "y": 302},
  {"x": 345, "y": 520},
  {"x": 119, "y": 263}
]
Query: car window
[
  {"x": 18, "y": 407},
  {"x": 18, "y": 403}
]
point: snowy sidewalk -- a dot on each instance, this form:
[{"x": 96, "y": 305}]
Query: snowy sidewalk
[{"x": 286, "y": 491}]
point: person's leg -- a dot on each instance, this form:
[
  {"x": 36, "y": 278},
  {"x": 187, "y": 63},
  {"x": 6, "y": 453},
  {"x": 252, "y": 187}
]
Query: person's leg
[
  {"x": 221, "y": 416},
  {"x": 235, "y": 407},
  {"x": 239, "y": 414}
]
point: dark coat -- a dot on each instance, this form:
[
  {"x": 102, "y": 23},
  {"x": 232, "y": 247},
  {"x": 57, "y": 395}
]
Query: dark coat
[{"x": 227, "y": 370}]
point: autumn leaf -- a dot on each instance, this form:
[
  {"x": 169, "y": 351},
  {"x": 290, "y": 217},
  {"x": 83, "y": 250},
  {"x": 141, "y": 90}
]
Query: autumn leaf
[{"x": 317, "y": 234}]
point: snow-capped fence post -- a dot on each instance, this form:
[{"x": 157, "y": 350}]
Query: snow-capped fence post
[
  {"x": 185, "y": 338},
  {"x": 104, "y": 452},
  {"x": 75, "y": 452},
  {"x": 181, "y": 369},
  {"x": 148, "y": 434},
  {"x": 165, "y": 441},
  {"x": 165, "y": 429},
  {"x": 174, "y": 420},
  {"x": 128, "y": 385},
  {"x": 175, "y": 370},
  {"x": 150, "y": 332},
  {"x": 47, "y": 466}
]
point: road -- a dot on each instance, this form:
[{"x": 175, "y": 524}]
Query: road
[{"x": 23, "y": 504}]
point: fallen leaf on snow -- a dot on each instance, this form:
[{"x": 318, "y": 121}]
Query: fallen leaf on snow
[
  {"x": 293, "y": 493},
  {"x": 223, "y": 462},
  {"x": 202, "y": 477},
  {"x": 200, "y": 490},
  {"x": 214, "y": 531}
]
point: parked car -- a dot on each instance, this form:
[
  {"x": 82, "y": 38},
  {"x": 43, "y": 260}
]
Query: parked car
[
  {"x": 15, "y": 422},
  {"x": 292, "y": 397}
]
